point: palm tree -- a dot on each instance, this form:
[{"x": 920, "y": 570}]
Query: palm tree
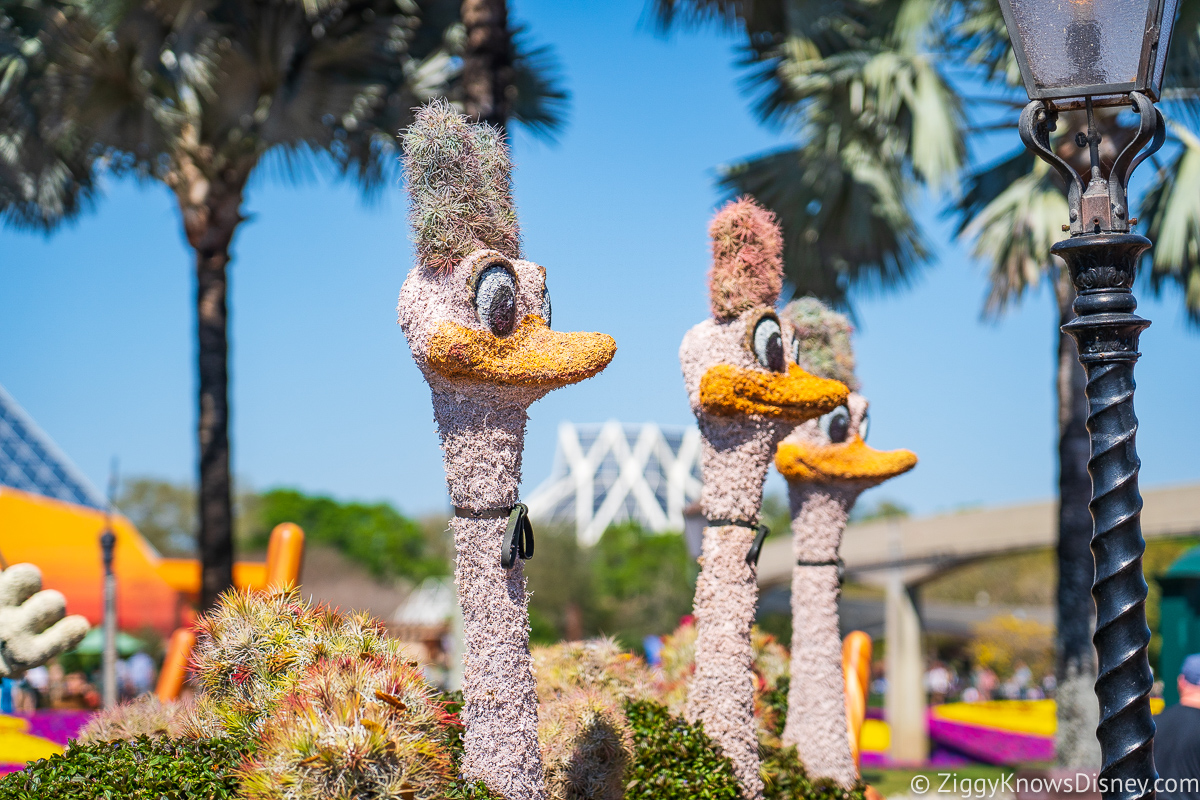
[
  {"x": 872, "y": 111},
  {"x": 861, "y": 83},
  {"x": 198, "y": 95}
]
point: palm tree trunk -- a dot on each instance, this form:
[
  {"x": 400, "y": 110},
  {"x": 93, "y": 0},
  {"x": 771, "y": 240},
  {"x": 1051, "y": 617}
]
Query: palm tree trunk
[
  {"x": 1078, "y": 709},
  {"x": 487, "y": 68},
  {"x": 211, "y": 214}
]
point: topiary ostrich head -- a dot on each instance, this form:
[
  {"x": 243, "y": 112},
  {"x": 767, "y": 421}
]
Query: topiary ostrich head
[
  {"x": 739, "y": 363},
  {"x": 833, "y": 448},
  {"x": 476, "y": 314}
]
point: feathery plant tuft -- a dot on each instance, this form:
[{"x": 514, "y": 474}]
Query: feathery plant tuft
[
  {"x": 458, "y": 176},
  {"x": 253, "y": 649},
  {"x": 747, "y": 268},
  {"x": 593, "y": 663},
  {"x": 145, "y": 716},
  {"x": 365, "y": 726},
  {"x": 586, "y": 740},
  {"x": 586, "y": 744},
  {"x": 824, "y": 337}
]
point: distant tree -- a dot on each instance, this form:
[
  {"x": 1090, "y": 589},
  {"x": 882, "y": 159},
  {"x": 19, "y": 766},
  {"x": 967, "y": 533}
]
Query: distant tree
[
  {"x": 375, "y": 535},
  {"x": 198, "y": 95},
  {"x": 163, "y": 512},
  {"x": 642, "y": 583}
]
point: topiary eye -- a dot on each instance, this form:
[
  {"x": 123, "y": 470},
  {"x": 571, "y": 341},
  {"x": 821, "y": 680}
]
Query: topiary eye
[
  {"x": 836, "y": 424},
  {"x": 768, "y": 344},
  {"x": 795, "y": 349},
  {"x": 496, "y": 299},
  {"x": 864, "y": 426}
]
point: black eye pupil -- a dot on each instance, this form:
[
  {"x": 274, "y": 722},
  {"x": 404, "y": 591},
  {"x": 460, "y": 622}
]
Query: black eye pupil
[
  {"x": 775, "y": 352},
  {"x": 839, "y": 428},
  {"x": 501, "y": 314}
]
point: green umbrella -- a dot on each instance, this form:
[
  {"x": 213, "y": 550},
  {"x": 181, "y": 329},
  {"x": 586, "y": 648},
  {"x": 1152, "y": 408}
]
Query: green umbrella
[{"x": 93, "y": 644}]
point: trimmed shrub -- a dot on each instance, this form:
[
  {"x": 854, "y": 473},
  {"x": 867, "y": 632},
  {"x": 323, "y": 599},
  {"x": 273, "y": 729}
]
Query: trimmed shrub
[
  {"x": 674, "y": 759},
  {"x": 784, "y": 778},
  {"x": 143, "y": 769}
]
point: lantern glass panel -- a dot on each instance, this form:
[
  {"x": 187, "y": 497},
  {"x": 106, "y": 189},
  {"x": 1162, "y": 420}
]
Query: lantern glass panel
[
  {"x": 1164, "y": 40},
  {"x": 1071, "y": 44}
]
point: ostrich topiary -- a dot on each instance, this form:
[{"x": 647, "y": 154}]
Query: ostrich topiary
[
  {"x": 827, "y": 464},
  {"x": 747, "y": 393},
  {"x": 477, "y": 318}
]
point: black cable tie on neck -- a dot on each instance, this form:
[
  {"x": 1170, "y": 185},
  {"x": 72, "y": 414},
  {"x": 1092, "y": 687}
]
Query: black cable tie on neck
[
  {"x": 836, "y": 562},
  {"x": 756, "y": 547},
  {"x": 518, "y": 537}
]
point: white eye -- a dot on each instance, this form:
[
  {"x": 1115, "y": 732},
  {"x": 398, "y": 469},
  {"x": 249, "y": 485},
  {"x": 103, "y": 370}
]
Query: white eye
[
  {"x": 836, "y": 425},
  {"x": 864, "y": 426},
  {"x": 496, "y": 299},
  {"x": 546, "y": 305},
  {"x": 768, "y": 344},
  {"x": 795, "y": 349}
]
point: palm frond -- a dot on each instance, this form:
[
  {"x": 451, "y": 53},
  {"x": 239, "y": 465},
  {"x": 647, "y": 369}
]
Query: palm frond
[
  {"x": 845, "y": 219},
  {"x": 1014, "y": 231},
  {"x": 542, "y": 101},
  {"x": 755, "y": 16},
  {"x": 1172, "y": 206}
]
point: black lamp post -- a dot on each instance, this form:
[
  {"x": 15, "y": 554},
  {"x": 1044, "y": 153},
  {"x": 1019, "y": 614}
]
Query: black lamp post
[{"x": 1081, "y": 54}]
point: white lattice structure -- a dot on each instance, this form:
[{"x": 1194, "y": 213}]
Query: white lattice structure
[{"x": 609, "y": 473}]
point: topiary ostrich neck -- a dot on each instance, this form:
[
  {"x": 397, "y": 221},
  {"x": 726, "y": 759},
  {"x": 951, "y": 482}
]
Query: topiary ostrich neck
[
  {"x": 827, "y": 465},
  {"x": 477, "y": 319},
  {"x": 746, "y": 394}
]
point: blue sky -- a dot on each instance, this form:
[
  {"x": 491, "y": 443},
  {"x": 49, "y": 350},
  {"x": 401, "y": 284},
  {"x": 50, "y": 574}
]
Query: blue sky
[{"x": 97, "y": 321}]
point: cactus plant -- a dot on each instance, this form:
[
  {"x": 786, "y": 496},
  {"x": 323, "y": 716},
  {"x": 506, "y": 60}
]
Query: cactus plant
[{"x": 353, "y": 726}]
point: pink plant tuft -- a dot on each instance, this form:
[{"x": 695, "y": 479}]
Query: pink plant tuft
[{"x": 747, "y": 269}]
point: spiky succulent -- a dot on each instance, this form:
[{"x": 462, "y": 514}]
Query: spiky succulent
[
  {"x": 253, "y": 648},
  {"x": 586, "y": 744},
  {"x": 824, "y": 338},
  {"x": 593, "y": 664},
  {"x": 586, "y": 741},
  {"x": 747, "y": 258},
  {"x": 458, "y": 177},
  {"x": 145, "y": 716},
  {"x": 353, "y": 726}
]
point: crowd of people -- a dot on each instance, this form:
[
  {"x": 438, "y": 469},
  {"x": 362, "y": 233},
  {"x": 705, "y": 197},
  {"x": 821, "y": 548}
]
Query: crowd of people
[{"x": 51, "y": 686}]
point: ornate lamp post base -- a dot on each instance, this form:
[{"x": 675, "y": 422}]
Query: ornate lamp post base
[{"x": 1102, "y": 268}]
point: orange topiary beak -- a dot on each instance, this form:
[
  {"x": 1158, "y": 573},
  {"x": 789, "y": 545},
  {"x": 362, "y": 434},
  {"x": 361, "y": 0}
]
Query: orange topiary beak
[
  {"x": 533, "y": 355},
  {"x": 797, "y": 397},
  {"x": 851, "y": 461}
]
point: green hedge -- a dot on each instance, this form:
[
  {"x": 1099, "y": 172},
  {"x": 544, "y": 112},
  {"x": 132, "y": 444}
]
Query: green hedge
[
  {"x": 674, "y": 759},
  {"x": 144, "y": 769}
]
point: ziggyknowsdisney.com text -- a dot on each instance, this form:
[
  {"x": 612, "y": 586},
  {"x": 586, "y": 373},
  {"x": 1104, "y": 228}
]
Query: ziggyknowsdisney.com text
[{"x": 1080, "y": 783}]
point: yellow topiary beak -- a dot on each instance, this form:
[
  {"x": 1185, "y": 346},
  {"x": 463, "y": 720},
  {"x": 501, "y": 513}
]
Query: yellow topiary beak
[
  {"x": 533, "y": 355},
  {"x": 796, "y": 397},
  {"x": 851, "y": 461}
]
